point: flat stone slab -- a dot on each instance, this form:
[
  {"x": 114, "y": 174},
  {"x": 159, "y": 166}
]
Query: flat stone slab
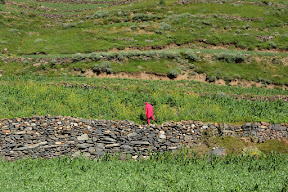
[{"x": 83, "y": 137}]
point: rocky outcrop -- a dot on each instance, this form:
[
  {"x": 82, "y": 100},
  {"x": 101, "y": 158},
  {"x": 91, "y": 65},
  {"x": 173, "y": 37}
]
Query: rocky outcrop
[{"x": 48, "y": 136}]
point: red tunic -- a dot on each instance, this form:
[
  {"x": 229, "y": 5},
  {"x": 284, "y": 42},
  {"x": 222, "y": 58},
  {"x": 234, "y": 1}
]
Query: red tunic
[{"x": 148, "y": 110}]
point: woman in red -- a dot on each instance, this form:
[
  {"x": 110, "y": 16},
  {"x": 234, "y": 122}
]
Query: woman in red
[{"x": 149, "y": 112}]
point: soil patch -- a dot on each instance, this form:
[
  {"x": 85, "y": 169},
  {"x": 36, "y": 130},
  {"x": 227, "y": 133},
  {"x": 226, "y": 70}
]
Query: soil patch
[{"x": 161, "y": 76}]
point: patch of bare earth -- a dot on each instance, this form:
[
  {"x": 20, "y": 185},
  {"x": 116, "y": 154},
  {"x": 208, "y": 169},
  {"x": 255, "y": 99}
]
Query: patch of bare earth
[{"x": 160, "y": 76}]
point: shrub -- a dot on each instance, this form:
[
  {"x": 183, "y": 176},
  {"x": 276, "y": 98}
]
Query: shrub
[
  {"x": 77, "y": 57},
  {"x": 227, "y": 78},
  {"x": 191, "y": 66},
  {"x": 272, "y": 44},
  {"x": 143, "y": 17},
  {"x": 173, "y": 74},
  {"x": 252, "y": 151},
  {"x": 161, "y": 2},
  {"x": 231, "y": 57},
  {"x": 120, "y": 56},
  {"x": 190, "y": 55},
  {"x": 69, "y": 25},
  {"x": 184, "y": 62},
  {"x": 95, "y": 56},
  {"x": 218, "y": 74},
  {"x": 211, "y": 78},
  {"x": 199, "y": 71},
  {"x": 53, "y": 61},
  {"x": 164, "y": 26},
  {"x": 133, "y": 27},
  {"x": 122, "y": 13},
  {"x": 2, "y": 2},
  {"x": 169, "y": 55},
  {"x": 277, "y": 61},
  {"x": 26, "y": 62},
  {"x": 105, "y": 67},
  {"x": 101, "y": 14}
]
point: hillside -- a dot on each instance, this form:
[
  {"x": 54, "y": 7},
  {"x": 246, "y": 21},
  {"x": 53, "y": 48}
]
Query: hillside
[
  {"x": 53, "y": 46},
  {"x": 75, "y": 76},
  {"x": 240, "y": 46}
]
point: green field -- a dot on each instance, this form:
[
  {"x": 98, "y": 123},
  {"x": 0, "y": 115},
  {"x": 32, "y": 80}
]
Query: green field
[
  {"x": 160, "y": 173},
  {"x": 124, "y": 99}
]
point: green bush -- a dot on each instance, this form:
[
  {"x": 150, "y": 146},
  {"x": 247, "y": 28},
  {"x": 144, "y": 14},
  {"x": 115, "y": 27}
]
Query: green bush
[
  {"x": 264, "y": 80},
  {"x": 277, "y": 61},
  {"x": 77, "y": 57},
  {"x": 143, "y": 17},
  {"x": 101, "y": 14},
  {"x": 231, "y": 57},
  {"x": 69, "y": 25},
  {"x": 161, "y": 2},
  {"x": 190, "y": 55},
  {"x": 2, "y": 2},
  {"x": 133, "y": 27},
  {"x": 164, "y": 26},
  {"x": 211, "y": 78},
  {"x": 104, "y": 68},
  {"x": 173, "y": 74},
  {"x": 95, "y": 56},
  {"x": 168, "y": 55}
]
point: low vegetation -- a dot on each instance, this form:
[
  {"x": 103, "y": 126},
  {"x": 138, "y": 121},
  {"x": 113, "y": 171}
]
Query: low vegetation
[
  {"x": 162, "y": 172},
  {"x": 124, "y": 99}
]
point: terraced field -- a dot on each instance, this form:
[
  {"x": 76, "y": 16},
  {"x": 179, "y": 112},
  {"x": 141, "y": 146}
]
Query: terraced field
[
  {"x": 236, "y": 49},
  {"x": 205, "y": 60}
]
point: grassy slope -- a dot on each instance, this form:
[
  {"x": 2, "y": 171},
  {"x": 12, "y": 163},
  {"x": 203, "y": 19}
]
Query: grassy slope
[
  {"x": 187, "y": 23},
  {"x": 239, "y": 25}
]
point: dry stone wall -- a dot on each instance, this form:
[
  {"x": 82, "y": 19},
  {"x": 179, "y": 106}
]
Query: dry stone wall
[{"x": 54, "y": 136}]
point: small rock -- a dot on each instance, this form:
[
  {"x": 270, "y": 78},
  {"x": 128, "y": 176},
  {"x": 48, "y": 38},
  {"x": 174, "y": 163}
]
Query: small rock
[
  {"x": 112, "y": 145},
  {"x": 134, "y": 134},
  {"x": 162, "y": 136},
  {"x": 84, "y": 145},
  {"x": 278, "y": 127},
  {"x": 126, "y": 148},
  {"x": 174, "y": 140},
  {"x": 20, "y": 132},
  {"x": 28, "y": 129},
  {"x": 83, "y": 137},
  {"x": 217, "y": 151},
  {"x": 76, "y": 154},
  {"x": 100, "y": 146},
  {"x": 140, "y": 143}
]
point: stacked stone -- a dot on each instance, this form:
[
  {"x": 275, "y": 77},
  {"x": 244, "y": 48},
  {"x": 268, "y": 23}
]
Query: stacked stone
[{"x": 49, "y": 137}]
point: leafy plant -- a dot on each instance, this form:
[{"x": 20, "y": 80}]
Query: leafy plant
[
  {"x": 162, "y": 2},
  {"x": 101, "y": 14},
  {"x": 164, "y": 26},
  {"x": 190, "y": 55},
  {"x": 105, "y": 67},
  {"x": 231, "y": 57},
  {"x": 173, "y": 74},
  {"x": 77, "y": 57}
]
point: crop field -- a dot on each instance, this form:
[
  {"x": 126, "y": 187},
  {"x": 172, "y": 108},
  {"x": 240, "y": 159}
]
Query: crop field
[
  {"x": 165, "y": 172},
  {"x": 124, "y": 99}
]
